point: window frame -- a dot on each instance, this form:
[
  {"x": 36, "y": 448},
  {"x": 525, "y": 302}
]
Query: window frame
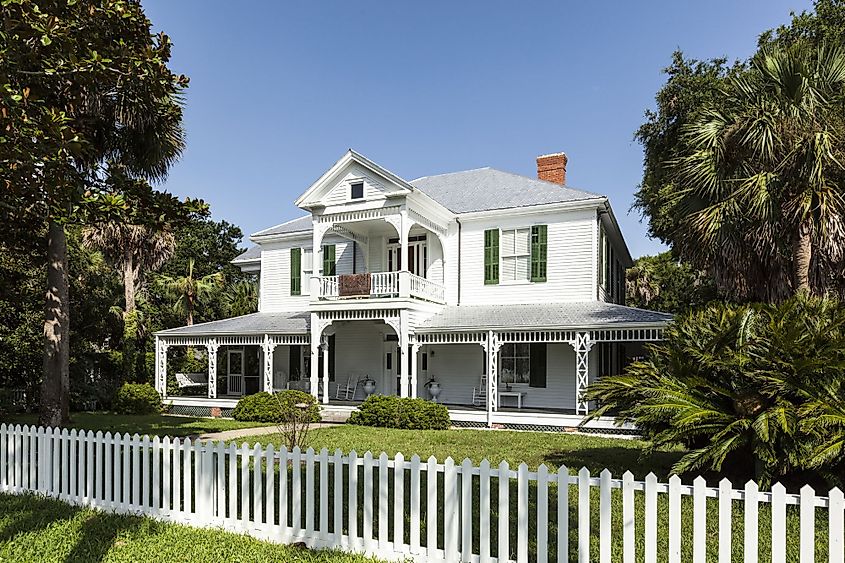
[
  {"x": 526, "y": 356},
  {"x": 352, "y": 185},
  {"x": 504, "y": 256}
]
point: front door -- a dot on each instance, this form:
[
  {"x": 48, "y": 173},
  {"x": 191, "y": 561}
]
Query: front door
[{"x": 235, "y": 372}]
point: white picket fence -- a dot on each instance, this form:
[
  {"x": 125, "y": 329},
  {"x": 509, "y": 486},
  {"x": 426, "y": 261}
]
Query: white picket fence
[{"x": 420, "y": 509}]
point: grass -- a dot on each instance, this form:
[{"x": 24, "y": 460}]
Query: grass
[
  {"x": 38, "y": 529},
  {"x": 534, "y": 448},
  {"x": 152, "y": 424}
]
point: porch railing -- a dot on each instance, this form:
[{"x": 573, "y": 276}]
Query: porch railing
[{"x": 385, "y": 285}]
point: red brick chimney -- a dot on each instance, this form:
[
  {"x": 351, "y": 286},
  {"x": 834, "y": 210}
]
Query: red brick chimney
[{"x": 552, "y": 168}]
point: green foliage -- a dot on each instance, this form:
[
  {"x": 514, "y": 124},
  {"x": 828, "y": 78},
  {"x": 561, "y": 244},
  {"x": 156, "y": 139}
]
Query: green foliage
[
  {"x": 188, "y": 292},
  {"x": 388, "y": 411},
  {"x": 278, "y": 407},
  {"x": 662, "y": 283},
  {"x": 137, "y": 398},
  {"x": 735, "y": 383},
  {"x": 241, "y": 298}
]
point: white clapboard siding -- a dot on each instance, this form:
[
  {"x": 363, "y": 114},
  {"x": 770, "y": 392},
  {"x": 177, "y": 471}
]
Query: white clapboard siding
[{"x": 413, "y": 509}]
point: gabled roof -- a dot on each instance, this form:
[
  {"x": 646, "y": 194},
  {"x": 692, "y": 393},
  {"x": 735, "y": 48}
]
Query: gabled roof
[
  {"x": 256, "y": 323},
  {"x": 250, "y": 255},
  {"x": 558, "y": 316},
  {"x": 486, "y": 189},
  {"x": 299, "y": 225},
  {"x": 349, "y": 157}
]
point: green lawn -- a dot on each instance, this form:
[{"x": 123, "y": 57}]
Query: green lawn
[
  {"x": 152, "y": 424},
  {"x": 37, "y": 529},
  {"x": 534, "y": 448}
]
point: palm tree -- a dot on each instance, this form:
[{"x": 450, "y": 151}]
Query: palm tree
[
  {"x": 189, "y": 292},
  {"x": 241, "y": 298},
  {"x": 760, "y": 178},
  {"x": 133, "y": 250}
]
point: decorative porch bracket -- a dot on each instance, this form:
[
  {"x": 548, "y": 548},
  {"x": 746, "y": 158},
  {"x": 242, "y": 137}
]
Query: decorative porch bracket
[
  {"x": 212, "y": 348},
  {"x": 582, "y": 345},
  {"x": 269, "y": 347},
  {"x": 491, "y": 348},
  {"x": 161, "y": 367}
]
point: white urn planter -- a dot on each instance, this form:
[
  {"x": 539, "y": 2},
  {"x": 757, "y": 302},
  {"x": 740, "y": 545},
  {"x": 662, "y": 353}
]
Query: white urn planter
[
  {"x": 369, "y": 387},
  {"x": 434, "y": 390}
]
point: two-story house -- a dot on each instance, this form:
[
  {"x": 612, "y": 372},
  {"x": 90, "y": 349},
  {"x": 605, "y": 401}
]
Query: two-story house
[{"x": 500, "y": 295}]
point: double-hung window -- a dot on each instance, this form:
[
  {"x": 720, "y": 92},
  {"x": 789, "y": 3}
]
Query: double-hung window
[
  {"x": 515, "y": 364},
  {"x": 516, "y": 255},
  {"x": 307, "y": 269}
]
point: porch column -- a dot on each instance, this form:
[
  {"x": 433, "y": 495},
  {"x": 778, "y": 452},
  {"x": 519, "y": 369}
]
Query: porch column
[
  {"x": 269, "y": 348},
  {"x": 582, "y": 347},
  {"x": 404, "y": 227},
  {"x": 415, "y": 350},
  {"x": 161, "y": 367},
  {"x": 212, "y": 348},
  {"x": 324, "y": 344},
  {"x": 316, "y": 331},
  {"x": 491, "y": 347},
  {"x": 403, "y": 353}
]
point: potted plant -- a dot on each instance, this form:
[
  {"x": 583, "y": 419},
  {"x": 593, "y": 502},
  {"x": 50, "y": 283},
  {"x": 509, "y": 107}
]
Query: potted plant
[
  {"x": 368, "y": 385},
  {"x": 434, "y": 388}
]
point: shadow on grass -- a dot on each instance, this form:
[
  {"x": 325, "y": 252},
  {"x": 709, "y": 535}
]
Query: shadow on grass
[{"x": 616, "y": 459}]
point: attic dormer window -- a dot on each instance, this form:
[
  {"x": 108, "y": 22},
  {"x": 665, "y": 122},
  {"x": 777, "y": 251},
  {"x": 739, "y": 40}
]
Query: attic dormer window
[{"x": 356, "y": 190}]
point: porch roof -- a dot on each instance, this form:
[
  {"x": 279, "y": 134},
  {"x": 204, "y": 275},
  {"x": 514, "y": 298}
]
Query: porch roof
[
  {"x": 557, "y": 316},
  {"x": 255, "y": 323}
]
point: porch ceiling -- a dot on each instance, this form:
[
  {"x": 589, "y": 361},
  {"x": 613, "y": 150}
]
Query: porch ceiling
[
  {"x": 555, "y": 316},
  {"x": 256, "y": 323}
]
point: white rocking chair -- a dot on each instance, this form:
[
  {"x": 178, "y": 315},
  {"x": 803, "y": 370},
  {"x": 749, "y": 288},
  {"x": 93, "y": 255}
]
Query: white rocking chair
[
  {"x": 348, "y": 389},
  {"x": 479, "y": 394}
]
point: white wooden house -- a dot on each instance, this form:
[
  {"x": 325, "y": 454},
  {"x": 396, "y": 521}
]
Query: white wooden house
[{"x": 507, "y": 291}]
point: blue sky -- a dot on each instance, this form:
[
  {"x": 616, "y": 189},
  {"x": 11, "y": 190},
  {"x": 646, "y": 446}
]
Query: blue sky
[{"x": 279, "y": 90}]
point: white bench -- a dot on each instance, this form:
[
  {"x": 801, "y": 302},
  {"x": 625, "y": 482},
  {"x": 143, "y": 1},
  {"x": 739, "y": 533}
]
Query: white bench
[{"x": 191, "y": 380}]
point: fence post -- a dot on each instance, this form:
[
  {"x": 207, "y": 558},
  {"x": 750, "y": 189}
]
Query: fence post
[
  {"x": 257, "y": 487},
  {"x": 209, "y": 487},
  {"x": 836, "y": 526},
  {"x": 466, "y": 510},
  {"x": 353, "y": 499},
  {"x": 283, "y": 493},
  {"x": 324, "y": 494},
  {"x": 338, "y": 497},
  {"x": 484, "y": 514},
  {"x": 725, "y": 520},
  {"x": 399, "y": 502},
  {"x": 563, "y": 514},
  {"x": 431, "y": 508},
  {"x": 450, "y": 510},
  {"x": 750, "y": 551},
  {"x": 606, "y": 531},
  {"x": 778, "y": 510},
  {"x": 368, "y": 501},
  {"x": 270, "y": 486},
  {"x": 416, "y": 487},
  {"x": 382, "y": 501},
  {"x": 674, "y": 519},
  {"x": 146, "y": 473},
  {"x": 244, "y": 487},
  {"x": 310, "y": 492}
]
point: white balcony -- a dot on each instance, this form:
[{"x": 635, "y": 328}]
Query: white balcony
[{"x": 378, "y": 285}]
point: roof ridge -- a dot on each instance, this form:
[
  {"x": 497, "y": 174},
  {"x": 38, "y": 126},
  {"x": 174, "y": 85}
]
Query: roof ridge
[{"x": 451, "y": 173}]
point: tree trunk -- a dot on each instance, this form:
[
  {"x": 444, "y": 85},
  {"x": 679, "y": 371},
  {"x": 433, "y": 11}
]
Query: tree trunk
[
  {"x": 129, "y": 282},
  {"x": 55, "y": 387},
  {"x": 802, "y": 253}
]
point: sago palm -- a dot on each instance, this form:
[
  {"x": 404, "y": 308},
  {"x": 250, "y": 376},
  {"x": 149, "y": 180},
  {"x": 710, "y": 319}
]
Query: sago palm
[
  {"x": 761, "y": 178},
  {"x": 189, "y": 292},
  {"x": 241, "y": 298}
]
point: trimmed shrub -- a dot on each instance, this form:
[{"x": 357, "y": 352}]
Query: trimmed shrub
[
  {"x": 137, "y": 398},
  {"x": 387, "y": 411},
  {"x": 264, "y": 407}
]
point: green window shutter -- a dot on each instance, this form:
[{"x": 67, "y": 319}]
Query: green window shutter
[
  {"x": 296, "y": 271},
  {"x": 329, "y": 264},
  {"x": 538, "y": 365},
  {"x": 539, "y": 236},
  {"x": 491, "y": 256}
]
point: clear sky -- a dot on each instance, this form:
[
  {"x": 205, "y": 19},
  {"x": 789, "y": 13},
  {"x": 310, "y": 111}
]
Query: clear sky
[{"x": 279, "y": 90}]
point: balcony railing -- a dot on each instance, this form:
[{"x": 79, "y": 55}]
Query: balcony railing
[{"x": 381, "y": 285}]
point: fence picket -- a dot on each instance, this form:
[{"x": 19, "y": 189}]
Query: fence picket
[
  {"x": 431, "y": 508},
  {"x": 674, "y": 519},
  {"x": 324, "y": 494},
  {"x": 483, "y": 511},
  {"x": 383, "y": 499},
  {"x": 270, "y": 486},
  {"x": 584, "y": 515},
  {"x": 503, "y": 551},
  {"x": 836, "y": 526},
  {"x": 778, "y": 523},
  {"x": 605, "y": 530},
  {"x": 699, "y": 519},
  {"x": 808, "y": 524},
  {"x": 563, "y": 514},
  {"x": 191, "y": 481},
  {"x": 725, "y": 517},
  {"x": 542, "y": 514},
  {"x": 450, "y": 510},
  {"x": 398, "y": 502},
  {"x": 629, "y": 547}
]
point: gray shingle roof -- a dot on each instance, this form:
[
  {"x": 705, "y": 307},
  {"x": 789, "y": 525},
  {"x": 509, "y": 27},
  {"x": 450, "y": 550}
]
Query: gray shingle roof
[
  {"x": 256, "y": 323},
  {"x": 250, "y": 255},
  {"x": 487, "y": 188},
  {"x": 576, "y": 315},
  {"x": 300, "y": 224}
]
